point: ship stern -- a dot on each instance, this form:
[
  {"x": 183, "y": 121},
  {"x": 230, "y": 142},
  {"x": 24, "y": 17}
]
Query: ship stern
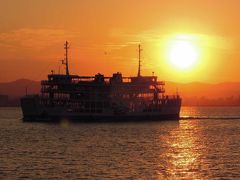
[{"x": 30, "y": 107}]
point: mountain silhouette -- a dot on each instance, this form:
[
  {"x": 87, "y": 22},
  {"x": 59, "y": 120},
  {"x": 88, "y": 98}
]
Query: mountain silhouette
[{"x": 18, "y": 87}]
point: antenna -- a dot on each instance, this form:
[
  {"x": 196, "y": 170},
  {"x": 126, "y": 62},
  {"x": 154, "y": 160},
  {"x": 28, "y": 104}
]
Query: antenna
[
  {"x": 139, "y": 60},
  {"x": 65, "y": 61}
]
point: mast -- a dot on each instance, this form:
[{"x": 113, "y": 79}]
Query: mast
[
  {"x": 139, "y": 60},
  {"x": 66, "y": 47}
]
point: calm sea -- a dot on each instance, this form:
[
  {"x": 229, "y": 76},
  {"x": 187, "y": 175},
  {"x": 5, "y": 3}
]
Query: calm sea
[{"x": 205, "y": 144}]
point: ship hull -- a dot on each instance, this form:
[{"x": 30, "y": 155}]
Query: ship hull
[
  {"x": 113, "y": 118},
  {"x": 33, "y": 112}
]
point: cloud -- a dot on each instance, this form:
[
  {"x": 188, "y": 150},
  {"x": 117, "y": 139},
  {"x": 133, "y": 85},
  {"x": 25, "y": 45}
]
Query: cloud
[
  {"x": 37, "y": 38},
  {"x": 154, "y": 36}
]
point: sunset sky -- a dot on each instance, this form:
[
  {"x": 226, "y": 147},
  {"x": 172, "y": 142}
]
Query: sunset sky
[{"x": 104, "y": 35}]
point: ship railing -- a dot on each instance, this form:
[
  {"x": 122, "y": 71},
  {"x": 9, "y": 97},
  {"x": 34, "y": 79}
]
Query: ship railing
[
  {"x": 115, "y": 86},
  {"x": 46, "y": 82},
  {"x": 106, "y": 81},
  {"x": 114, "y": 91}
]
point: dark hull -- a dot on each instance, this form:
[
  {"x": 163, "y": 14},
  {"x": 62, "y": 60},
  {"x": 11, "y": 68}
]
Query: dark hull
[{"x": 90, "y": 119}]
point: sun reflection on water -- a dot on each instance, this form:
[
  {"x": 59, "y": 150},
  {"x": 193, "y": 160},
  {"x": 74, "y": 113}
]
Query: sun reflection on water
[
  {"x": 189, "y": 112},
  {"x": 184, "y": 151}
]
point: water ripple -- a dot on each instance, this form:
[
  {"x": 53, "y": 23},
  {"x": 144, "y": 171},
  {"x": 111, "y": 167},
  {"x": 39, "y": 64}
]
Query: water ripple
[{"x": 188, "y": 149}]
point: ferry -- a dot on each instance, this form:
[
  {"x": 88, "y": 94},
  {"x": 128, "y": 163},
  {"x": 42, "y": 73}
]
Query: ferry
[{"x": 100, "y": 98}]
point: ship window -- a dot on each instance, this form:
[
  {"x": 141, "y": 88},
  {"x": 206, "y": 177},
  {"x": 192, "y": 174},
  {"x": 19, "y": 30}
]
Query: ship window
[
  {"x": 106, "y": 104},
  {"x": 99, "y": 105},
  {"x": 93, "y": 105},
  {"x": 99, "y": 110},
  {"x": 87, "y": 105}
]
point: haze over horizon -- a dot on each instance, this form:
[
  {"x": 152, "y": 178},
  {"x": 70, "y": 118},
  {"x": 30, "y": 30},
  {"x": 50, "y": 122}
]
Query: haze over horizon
[{"x": 104, "y": 36}]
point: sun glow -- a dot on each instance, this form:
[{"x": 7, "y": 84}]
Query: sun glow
[{"x": 182, "y": 53}]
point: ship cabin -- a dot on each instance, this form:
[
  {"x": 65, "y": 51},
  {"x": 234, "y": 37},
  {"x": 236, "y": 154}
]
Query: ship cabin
[{"x": 96, "y": 93}]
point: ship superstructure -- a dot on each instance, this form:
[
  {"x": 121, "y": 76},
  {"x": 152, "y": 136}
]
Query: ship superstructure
[{"x": 100, "y": 98}]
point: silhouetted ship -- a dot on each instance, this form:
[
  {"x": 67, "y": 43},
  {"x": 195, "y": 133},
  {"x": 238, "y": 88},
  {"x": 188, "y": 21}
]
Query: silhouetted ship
[{"x": 99, "y": 98}]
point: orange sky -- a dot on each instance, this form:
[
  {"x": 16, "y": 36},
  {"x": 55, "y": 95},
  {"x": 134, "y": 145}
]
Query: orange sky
[{"x": 104, "y": 35}]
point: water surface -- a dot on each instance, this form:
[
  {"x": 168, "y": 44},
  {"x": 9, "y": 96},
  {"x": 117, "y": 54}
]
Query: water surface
[{"x": 205, "y": 147}]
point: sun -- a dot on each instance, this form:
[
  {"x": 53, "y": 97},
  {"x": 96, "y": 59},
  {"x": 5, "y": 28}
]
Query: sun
[{"x": 182, "y": 53}]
